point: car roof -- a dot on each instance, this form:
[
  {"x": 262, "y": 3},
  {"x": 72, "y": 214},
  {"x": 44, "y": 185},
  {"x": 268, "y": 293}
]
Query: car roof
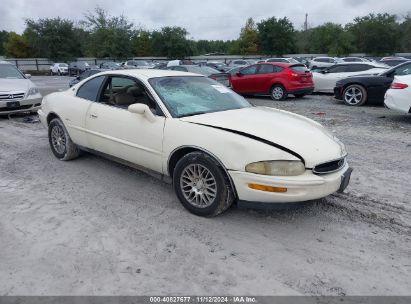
[
  {"x": 281, "y": 64},
  {"x": 149, "y": 73}
]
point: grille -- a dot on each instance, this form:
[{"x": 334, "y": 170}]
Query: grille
[
  {"x": 18, "y": 108},
  {"x": 15, "y": 96},
  {"x": 329, "y": 167}
]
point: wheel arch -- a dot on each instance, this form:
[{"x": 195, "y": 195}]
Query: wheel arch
[
  {"x": 180, "y": 152},
  {"x": 51, "y": 116}
]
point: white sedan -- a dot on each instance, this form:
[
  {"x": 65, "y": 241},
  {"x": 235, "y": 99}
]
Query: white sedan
[
  {"x": 213, "y": 145},
  {"x": 325, "y": 80},
  {"x": 398, "y": 97},
  {"x": 59, "y": 69}
]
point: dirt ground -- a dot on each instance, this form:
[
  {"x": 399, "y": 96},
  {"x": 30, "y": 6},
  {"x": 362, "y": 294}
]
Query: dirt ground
[{"x": 94, "y": 227}]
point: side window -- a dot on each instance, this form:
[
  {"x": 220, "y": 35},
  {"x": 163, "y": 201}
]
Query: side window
[
  {"x": 90, "y": 89},
  {"x": 180, "y": 68},
  {"x": 266, "y": 69},
  {"x": 403, "y": 70},
  {"x": 358, "y": 67},
  {"x": 249, "y": 70}
]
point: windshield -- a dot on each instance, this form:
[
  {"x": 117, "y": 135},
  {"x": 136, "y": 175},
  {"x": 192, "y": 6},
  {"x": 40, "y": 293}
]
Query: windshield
[
  {"x": 192, "y": 95},
  {"x": 63, "y": 65},
  {"x": 10, "y": 72},
  {"x": 141, "y": 62},
  {"x": 203, "y": 70}
]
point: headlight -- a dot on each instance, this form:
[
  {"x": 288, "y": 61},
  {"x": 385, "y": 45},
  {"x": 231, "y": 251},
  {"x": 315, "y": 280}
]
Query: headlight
[
  {"x": 277, "y": 167},
  {"x": 33, "y": 91}
]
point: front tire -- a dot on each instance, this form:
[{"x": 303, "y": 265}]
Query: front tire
[
  {"x": 201, "y": 185},
  {"x": 60, "y": 142},
  {"x": 355, "y": 95},
  {"x": 278, "y": 92}
]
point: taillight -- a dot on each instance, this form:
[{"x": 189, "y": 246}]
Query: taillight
[{"x": 397, "y": 85}]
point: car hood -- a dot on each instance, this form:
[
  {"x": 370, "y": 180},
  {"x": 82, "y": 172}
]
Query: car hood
[
  {"x": 285, "y": 130},
  {"x": 15, "y": 85}
]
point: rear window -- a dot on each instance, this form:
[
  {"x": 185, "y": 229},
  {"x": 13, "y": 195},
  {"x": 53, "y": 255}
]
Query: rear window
[{"x": 299, "y": 68}]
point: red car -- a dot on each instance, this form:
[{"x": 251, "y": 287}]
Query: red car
[{"x": 276, "y": 79}]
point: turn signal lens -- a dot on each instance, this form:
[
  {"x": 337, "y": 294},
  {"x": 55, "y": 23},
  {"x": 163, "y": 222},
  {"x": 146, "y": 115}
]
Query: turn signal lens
[
  {"x": 277, "y": 168},
  {"x": 397, "y": 85},
  {"x": 267, "y": 188}
]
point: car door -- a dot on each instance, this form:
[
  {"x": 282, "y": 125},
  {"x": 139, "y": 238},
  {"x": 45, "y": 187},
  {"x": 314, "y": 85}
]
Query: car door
[
  {"x": 264, "y": 77},
  {"x": 74, "y": 111},
  {"x": 245, "y": 81},
  {"x": 325, "y": 80},
  {"x": 115, "y": 131}
]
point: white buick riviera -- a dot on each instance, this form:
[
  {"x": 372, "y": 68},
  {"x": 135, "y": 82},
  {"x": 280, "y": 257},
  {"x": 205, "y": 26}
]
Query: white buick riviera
[{"x": 208, "y": 141}]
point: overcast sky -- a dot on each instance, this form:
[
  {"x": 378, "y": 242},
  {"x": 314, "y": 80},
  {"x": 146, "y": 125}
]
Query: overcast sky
[{"x": 204, "y": 19}]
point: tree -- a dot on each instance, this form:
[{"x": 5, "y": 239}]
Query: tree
[
  {"x": 4, "y": 36},
  {"x": 171, "y": 42},
  {"x": 276, "y": 36},
  {"x": 248, "y": 41},
  {"x": 17, "y": 46},
  {"x": 109, "y": 36},
  {"x": 375, "y": 34},
  {"x": 405, "y": 34},
  {"x": 329, "y": 38},
  {"x": 53, "y": 38},
  {"x": 141, "y": 44}
]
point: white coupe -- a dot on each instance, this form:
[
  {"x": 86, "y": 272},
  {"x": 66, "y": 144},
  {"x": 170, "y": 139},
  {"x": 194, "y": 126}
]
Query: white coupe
[
  {"x": 213, "y": 145},
  {"x": 325, "y": 80},
  {"x": 398, "y": 97}
]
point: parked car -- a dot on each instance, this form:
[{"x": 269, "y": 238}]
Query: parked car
[
  {"x": 85, "y": 75},
  {"x": 59, "y": 69},
  {"x": 137, "y": 64},
  {"x": 323, "y": 62},
  {"x": 78, "y": 67},
  {"x": 393, "y": 61},
  {"x": 240, "y": 62},
  {"x": 110, "y": 65},
  {"x": 17, "y": 92},
  {"x": 358, "y": 90},
  {"x": 276, "y": 79},
  {"x": 283, "y": 59},
  {"x": 398, "y": 96},
  {"x": 325, "y": 80},
  {"x": 355, "y": 59},
  {"x": 222, "y": 78},
  {"x": 220, "y": 66},
  {"x": 214, "y": 146}
]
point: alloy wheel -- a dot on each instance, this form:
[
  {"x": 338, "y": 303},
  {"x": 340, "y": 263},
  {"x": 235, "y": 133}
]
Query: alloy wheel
[
  {"x": 198, "y": 185},
  {"x": 353, "y": 96},
  {"x": 58, "y": 139}
]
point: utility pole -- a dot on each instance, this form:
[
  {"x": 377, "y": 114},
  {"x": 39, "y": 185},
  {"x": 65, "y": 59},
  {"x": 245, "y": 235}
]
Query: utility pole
[{"x": 306, "y": 22}]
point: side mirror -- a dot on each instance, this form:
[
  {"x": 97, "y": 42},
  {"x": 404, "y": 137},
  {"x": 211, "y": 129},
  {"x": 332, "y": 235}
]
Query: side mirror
[
  {"x": 28, "y": 76},
  {"x": 324, "y": 72},
  {"x": 239, "y": 74},
  {"x": 142, "y": 109},
  {"x": 78, "y": 78}
]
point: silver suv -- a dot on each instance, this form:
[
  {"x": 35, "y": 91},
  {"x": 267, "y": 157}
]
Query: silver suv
[{"x": 17, "y": 92}]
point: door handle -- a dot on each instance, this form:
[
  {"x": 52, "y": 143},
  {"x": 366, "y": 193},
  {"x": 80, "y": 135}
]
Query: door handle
[{"x": 93, "y": 116}]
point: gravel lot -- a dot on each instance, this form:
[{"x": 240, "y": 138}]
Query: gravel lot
[{"x": 94, "y": 227}]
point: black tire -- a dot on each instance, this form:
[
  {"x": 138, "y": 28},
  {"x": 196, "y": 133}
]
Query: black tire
[
  {"x": 51, "y": 73},
  {"x": 278, "y": 92},
  {"x": 58, "y": 73},
  {"x": 223, "y": 193},
  {"x": 299, "y": 95},
  {"x": 354, "y": 95},
  {"x": 66, "y": 150}
]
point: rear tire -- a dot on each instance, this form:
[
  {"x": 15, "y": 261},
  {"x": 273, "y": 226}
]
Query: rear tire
[
  {"x": 354, "y": 95},
  {"x": 278, "y": 92},
  {"x": 201, "y": 185},
  {"x": 60, "y": 142}
]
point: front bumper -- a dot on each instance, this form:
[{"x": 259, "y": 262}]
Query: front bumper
[
  {"x": 26, "y": 105},
  {"x": 305, "y": 187}
]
